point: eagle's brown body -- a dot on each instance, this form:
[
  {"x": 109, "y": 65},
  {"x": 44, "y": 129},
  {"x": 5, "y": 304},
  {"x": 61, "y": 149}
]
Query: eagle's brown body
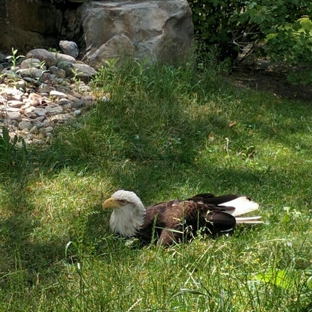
[
  {"x": 180, "y": 220},
  {"x": 177, "y": 220}
]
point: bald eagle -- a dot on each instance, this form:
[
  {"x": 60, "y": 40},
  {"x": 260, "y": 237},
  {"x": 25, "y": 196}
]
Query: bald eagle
[{"x": 178, "y": 220}]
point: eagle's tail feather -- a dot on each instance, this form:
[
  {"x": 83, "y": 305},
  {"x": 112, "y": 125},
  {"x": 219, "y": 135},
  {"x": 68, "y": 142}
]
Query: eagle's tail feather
[
  {"x": 248, "y": 220},
  {"x": 242, "y": 205}
]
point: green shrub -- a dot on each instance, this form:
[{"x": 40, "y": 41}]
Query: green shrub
[{"x": 231, "y": 26}]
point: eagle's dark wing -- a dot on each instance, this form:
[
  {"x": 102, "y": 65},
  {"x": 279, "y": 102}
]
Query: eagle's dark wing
[
  {"x": 208, "y": 198},
  {"x": 177, "y": 221}
]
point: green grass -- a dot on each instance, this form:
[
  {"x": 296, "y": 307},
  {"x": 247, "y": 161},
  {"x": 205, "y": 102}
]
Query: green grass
[{"x": 166, "y": 133}]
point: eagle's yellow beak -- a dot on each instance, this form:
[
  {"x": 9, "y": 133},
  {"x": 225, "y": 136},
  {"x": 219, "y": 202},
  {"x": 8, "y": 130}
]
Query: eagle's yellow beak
[{"x": 110, "y": 203}]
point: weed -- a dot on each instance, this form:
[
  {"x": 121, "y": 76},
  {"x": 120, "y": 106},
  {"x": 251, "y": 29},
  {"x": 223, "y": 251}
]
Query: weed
[{"x": 14, "y": 58}]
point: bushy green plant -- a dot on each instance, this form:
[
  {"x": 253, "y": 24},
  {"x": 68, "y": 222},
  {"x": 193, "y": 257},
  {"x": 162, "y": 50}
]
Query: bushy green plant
[
  {"x": 234, "y": 25},
  {"x": 292, "y": 45}
]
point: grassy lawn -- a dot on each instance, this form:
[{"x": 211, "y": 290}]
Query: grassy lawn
[{"x": 165, "y": 133}]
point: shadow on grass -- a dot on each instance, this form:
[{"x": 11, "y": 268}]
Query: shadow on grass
[{"x": 20, "y": 251}]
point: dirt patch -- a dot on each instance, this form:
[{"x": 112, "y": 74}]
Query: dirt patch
[{"x": 272, "y": 79}]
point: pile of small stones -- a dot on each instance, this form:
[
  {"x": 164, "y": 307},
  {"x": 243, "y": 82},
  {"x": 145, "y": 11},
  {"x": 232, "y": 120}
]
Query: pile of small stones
[{"x": 44, "y": 90}]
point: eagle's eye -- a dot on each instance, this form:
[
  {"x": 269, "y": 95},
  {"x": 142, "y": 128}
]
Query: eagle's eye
[{"x": 122, "y": 202}]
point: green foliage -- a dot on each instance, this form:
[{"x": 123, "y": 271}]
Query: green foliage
[
  {"x": 11, "y": 155},
  {"x": 14, "y": 57},
  {"x": 234, "y": 25},
  {"x": 292, "y": 45}
]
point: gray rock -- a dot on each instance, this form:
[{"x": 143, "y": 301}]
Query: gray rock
[
  {"x": 39, "y": 111},
  {"x": 14, "y": 116},
  {"x": 25, "y": 125},
  {"x": 117, "y": 46},
  {"x": 31, "y": 72},
  {"x": 30, "y": 62},
  {"x": 77, "y": 112},
  {"x": 58, "y": 94},
  {"x": 13, "y": 94},
  {"x": 69, "y": 47},
  {"x": 54, "y": 110},
  {"x": 44, "y": 88},
  {"x": 2, "y": 57},
  {"x": 61, "y": 118},
  {"x": 60, "y": 57},
  {"x": 61, "y": 73},
  {"x": 162, "y": 29},
  {"x": 43, "y": 55},
  {"x": 15, "y": 103},
  {"x": 83, "y": 71},
  {"x": 67, "y": 67},
  {"x": 20, "y": 84},
  {"x": 53, "y": 70}
]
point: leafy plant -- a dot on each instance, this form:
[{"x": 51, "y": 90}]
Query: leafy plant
[
  {"x": 14, "y": 57},
  {"x": 10, "y": 154}
]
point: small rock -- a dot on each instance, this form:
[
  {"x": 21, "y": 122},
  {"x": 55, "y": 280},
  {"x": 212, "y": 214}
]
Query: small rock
[
  {"x": 39, "y": 119},
  {"x": 25, "y": 125},
  {"x": 78, "y": 104},
  {"x": 35, "y": 99},
  {"x": 12, "y": 94},
  {"x": 77, "y": 112},
  {"x": 11, "y": 109},
  {"x": 48, "y": 129},
  {"x": 29, "y": 109},
  {"x": 83, "y": 71},
  {"x": 31, "y": 62},
  {"x": 58, "y": 94},
  {"x": 67, "y": 66},
  {"x": 39, "y": 111},
  {"x": 15, "y": 103},
  {"x": 64, "y": 101},
  {"x": 53, "y": 70},
  {"x": 60, "y": 117},
  {"x": 34, "y": 129},
  {"x": 47, "y": 77},
  {"x": 61, "y": 73},
  {"x": 64, "y": 58},
  {"x": 20, "y": 84},
  {"x": 53, "y": 110},
  {"x": 14, "y": 116},
  {"x": 38, "y": 123},
  {"x": 44, "y": 88},
  {"x": 2, "y": 57},
  {"x": 32, "y": 72},
  {"x": 43, "y": 55},
  {"x": 69, "y": 47}
]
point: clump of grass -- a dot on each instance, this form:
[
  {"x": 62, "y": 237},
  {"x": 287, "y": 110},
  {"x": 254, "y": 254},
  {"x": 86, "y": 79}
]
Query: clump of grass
[{"x": 166, "y": 132}]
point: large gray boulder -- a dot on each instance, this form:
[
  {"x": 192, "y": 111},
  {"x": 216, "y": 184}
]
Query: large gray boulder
[{"x": 149, "y": 30}]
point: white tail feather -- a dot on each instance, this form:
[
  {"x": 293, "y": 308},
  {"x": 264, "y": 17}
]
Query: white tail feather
[
  {"x": 249, "y": 220},
  {"x": 242, "y": 206}
]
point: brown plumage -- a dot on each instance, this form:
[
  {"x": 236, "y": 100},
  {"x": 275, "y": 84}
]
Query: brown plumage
[{"x": 177, "y": 220}]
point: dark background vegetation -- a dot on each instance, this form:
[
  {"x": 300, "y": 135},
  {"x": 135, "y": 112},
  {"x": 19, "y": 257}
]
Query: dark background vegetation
[{"x": 234, "y": 26}]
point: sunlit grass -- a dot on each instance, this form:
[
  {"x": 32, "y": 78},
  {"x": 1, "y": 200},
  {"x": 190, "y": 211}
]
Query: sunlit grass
[{"x": 165, "y": 133}]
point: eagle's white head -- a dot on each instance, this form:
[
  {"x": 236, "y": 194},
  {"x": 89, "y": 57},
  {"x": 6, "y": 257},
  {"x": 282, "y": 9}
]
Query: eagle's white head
[{"x": 128, "y": 214}]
